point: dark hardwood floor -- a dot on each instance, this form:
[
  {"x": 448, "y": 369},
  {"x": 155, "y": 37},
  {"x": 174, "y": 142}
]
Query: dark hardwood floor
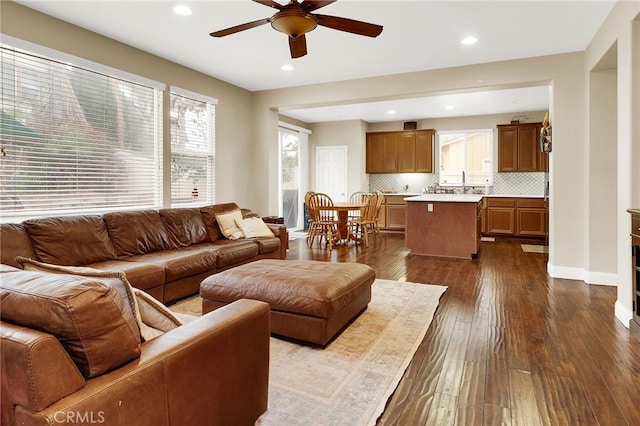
[{"x": 508, "y": 344}]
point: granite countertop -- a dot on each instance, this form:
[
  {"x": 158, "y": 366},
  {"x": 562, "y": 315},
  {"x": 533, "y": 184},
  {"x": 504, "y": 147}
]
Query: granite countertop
[
  {"x": 449, "y": 198},
  {"x": 402, "y": 194},
  {"x": 513, "y": 196},
  {"x": 414, "y": 194}
]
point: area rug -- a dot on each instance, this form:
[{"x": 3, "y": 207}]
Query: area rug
[
  {"x": 349, "y": 381},
  {"x": 534, "y": 248}
]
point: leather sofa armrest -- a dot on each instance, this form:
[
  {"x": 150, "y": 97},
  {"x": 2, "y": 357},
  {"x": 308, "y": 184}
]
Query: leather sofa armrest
[
  {"x": 224, "y": 355},
  {"x": 281, "y": 232},
  {"x": 36, "y": 368}
]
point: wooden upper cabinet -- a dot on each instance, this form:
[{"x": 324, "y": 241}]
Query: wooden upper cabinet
[
  {"x": 519, "y": 148},
  {"x": 507, "y": 149},
  {"x": 400, "y": 152},
  {"x": 528, "y": 147},
  {"x": 407, "y": 152},
  {"x": 424, "y": 151},
  {"x": 381, "y": 153}
]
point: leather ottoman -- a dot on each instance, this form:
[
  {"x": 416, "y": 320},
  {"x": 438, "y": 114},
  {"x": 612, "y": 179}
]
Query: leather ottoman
[{"x": 309, "y": 300}]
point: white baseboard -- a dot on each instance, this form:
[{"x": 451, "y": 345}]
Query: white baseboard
[
  {"x": 565, "y": 272},
  {"x": 623, "y": 314},
  {"x": 589, "y": 277},
  {"x": 601, "y": 278}
]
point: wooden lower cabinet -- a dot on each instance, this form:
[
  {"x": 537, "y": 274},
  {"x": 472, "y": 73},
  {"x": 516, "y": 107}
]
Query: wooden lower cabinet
[
  {"x": 501, "y": 220},
  {"x": 393, "y": 213},
  {"x": 518, "y": 217},
  {"x": 501, "y": 216},
  {"x": 396, "y": 216}
]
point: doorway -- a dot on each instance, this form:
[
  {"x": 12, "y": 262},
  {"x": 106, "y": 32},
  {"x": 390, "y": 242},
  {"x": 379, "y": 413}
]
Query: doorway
[{"x": 293, "y": 155}]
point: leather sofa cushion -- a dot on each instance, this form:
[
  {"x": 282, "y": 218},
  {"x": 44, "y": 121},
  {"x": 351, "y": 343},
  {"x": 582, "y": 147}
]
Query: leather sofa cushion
[
  {"x": 182, "y": 262},
  {"x": 136, "y": 233},
  {"x": 230, "y": 252},
  {"x": 73, "y": 240},
  {"x": 88, "y": 316},
  {"x": 142, "y": 275},
  {"x": 267, "y": 244},
  {"x": 14, "y": 241},
  {"x": 185, "y": 226},
  {"x": 209, "y": 217}
]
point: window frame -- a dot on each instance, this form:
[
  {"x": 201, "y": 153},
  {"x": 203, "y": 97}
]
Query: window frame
[{"x": 458, "y": 183}]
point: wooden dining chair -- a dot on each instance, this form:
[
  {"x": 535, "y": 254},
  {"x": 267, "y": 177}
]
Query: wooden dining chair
[
  {"x": 360, "y": 228},
  {"x": 311, "y": 229},
  {"x": 376, "y": 214},
  {"x": 358, "y": 197},
  {"x": 325, "y": 221}
]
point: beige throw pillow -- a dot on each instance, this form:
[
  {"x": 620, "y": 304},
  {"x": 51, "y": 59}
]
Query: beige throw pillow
[
  {"x": 227, "y": 223},
  {"x": 254, "y": 227},
  {"x": 156, "y": 318}
]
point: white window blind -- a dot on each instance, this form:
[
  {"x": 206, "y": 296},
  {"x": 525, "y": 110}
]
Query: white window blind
[
  {"x": 468, "y": 151},
  {"x": 75, "y": 140},
  {"x": 192, "y": 149}
]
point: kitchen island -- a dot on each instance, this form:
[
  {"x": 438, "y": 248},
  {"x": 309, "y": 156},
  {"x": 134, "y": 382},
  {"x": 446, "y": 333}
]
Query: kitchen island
[{"x": 446, "y": 225}]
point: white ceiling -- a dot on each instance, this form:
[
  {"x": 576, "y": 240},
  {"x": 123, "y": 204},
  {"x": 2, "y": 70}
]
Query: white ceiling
[{"x": 417, "y": 35}]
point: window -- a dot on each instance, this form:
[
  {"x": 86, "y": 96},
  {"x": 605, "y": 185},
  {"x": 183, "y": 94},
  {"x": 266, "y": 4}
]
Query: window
[
  {"x": 468, "y": 151},
  {"x": 75, "y": 139},
  {"x": 192, "y": 148}
]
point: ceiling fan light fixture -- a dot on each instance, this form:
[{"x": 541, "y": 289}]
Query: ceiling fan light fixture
[{"x": 293, "y": 23}]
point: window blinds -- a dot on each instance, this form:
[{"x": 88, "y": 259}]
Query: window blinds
[
  {"x": 192, "y": 149},
  {"x": 74, "y": 140}
]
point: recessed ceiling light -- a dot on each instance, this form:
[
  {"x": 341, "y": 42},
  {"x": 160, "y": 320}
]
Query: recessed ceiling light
[
  {"x": 469, "y": 40},
  {"x": 391, "y": 112},
  {"x": 518, "y": 101},
  {"x": 182, "y": 10},
  {"x": 449, "y": 107},
  {"x": 287, "y": 67}
]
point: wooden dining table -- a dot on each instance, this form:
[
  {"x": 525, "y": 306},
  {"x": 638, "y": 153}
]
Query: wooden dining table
[{"x": 343, "y": 209}]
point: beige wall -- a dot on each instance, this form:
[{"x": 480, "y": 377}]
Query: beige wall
[
  {"x": 620, "y": 30},
  {"x": 234, "y": 115},
  {"x": 601, "y": 177}
]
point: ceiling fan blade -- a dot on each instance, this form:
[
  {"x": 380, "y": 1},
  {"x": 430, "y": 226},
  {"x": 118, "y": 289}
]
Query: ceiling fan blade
[
  {"x": 270, "y": 3},
  {"x": 298, "y": 46},
  {"x": 311, "y": 5},
  {"x": 349, "y": 25},
  {"x": 239, "y": 28}
]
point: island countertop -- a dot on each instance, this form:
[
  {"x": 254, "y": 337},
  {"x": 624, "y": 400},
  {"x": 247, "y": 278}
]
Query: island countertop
[{"x": 447, "y": 198}]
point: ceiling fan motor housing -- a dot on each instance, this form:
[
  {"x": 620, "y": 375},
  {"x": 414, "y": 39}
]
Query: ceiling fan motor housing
[{"x": 294, "y": 23}]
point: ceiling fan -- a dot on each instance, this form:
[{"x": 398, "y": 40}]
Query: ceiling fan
[{"x": 295, "y": 20}]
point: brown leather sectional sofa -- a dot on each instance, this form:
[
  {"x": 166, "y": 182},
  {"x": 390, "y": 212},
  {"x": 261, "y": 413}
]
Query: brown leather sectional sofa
[
  {"x": 166, "y": 252},
  {"x": 69, "y": 357}
]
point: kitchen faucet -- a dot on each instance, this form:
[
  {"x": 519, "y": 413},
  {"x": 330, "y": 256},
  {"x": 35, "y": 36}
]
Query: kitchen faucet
[{"x": 464, "y": 186}]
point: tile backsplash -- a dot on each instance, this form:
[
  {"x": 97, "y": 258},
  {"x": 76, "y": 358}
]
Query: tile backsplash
[{"x": 503, "y": 183}]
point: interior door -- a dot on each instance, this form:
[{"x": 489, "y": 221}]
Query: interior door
[{"x": 331, "y": 171}]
